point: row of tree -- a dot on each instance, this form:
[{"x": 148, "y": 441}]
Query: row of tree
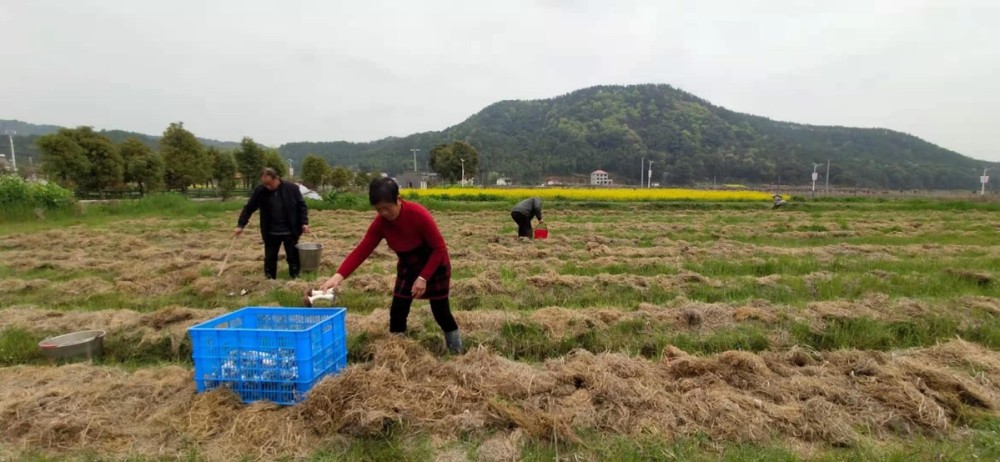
[
  {"x": 454, "y": 161},
  {"x": 317, "y": 174},
  {"x": 450, "y": 161},
  {"x": 86, "y": 160}
]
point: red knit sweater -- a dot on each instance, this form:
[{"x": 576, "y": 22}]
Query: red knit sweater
[{"x": 413, "y": 227}]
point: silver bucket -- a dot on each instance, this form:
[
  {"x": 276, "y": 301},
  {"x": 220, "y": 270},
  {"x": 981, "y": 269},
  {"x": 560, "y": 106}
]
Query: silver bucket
[
  {"x": 310, "y": 254},
  {"x": 87, "y": 344}
]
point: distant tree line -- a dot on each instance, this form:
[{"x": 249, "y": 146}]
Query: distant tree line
[{"x": 89, "y": 161}]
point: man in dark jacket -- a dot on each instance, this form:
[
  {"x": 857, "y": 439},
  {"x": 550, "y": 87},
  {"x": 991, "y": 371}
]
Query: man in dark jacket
[
  {"x": 283, "y": 218},
  {"x": 523, "y": 212}
]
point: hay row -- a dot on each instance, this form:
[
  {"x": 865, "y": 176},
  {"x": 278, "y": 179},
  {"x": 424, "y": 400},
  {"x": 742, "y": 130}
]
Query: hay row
[
  {"x": 833, "y": 398},
  {"x": 558, "y": 322}
]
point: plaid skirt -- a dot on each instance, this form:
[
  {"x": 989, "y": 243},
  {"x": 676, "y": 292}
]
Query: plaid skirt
[{"x": 408, "y": 268}]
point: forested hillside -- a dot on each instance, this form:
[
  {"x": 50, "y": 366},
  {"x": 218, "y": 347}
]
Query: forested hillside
[
  {"x": 614, "y": 128},
  {"x": 689, "y": 139}
]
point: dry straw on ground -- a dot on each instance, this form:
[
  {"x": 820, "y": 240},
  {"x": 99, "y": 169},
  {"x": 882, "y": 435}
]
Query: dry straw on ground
[
  {"x": 558, "y": 322},
  {"x": 797, "y": 395},
  {"x": 836, "y": 398}
]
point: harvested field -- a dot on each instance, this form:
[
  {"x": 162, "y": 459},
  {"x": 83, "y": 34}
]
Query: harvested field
[
  {"x": 836, "y": 398},
  {"x": 803, "y": 333}
]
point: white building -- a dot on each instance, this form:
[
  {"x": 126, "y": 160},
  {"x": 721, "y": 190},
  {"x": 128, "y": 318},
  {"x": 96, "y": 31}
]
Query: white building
[
  {"x": 599, "y": 178},
  {"x": 504, "y": 182},
  {"x": 417, "y": 180}
]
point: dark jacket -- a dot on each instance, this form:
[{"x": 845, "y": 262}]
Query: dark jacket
[
  {"x": 294, "y": 206},
  {"x": 531, "y": 207}
]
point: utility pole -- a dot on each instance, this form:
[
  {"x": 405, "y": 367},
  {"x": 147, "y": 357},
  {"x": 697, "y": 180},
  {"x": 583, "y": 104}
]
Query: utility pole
[
  {"x": 828, "y": 176},
  {"x": 483, "y": 174},
  {"x": 13, "y": 158},
  {"x": 649, "y": 182},
  {"x": 815, "y": 176},
  {"x": 414, "y": 151},
  {"x": 983, "y": 179},
  {"x": 463, "y": 170},
  {"x": 642, "y": 169}
]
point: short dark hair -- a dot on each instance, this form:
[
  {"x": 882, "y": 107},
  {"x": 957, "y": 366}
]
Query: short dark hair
[
  {"x": 383, "y": 190},
  {"x": 270, "y": 172}
]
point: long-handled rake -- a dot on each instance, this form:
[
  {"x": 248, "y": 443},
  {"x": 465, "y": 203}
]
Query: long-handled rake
[
  {"x": 226, "y": 258},
  {"x": 319, "y": 241}
]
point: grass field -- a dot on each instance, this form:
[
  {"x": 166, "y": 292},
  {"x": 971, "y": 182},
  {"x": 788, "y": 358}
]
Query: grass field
[{"x": 838, "y": 330}]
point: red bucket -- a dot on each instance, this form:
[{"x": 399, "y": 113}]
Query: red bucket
[{"x": 541, "y": 233}]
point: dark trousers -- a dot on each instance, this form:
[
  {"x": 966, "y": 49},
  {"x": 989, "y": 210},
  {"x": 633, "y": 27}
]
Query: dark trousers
[
  {"x": 523, "y": 224},
  {"x": 271, "y": 245},
  {"x": 400, "y": 310}
]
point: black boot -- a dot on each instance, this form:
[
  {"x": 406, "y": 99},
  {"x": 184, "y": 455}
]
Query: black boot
[{"x": 453, "y": 340}]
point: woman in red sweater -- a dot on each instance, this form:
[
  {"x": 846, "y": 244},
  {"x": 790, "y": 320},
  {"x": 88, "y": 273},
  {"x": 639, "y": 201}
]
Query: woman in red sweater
[{"x": 423, "y": 269}]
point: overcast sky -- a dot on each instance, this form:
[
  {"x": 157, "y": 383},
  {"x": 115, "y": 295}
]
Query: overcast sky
[{"x": 361, "y": 70}]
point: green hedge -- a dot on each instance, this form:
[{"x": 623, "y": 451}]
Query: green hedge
[{"x": 16, "y": 193}]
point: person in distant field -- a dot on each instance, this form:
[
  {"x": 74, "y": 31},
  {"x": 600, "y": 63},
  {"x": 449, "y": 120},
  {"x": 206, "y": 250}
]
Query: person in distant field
[
  {"x": 283, "y": 218},
  {"x": 423, "y": 269},
  {"x": 523, "y": 212},
  {"x": 778, "y": 201}
]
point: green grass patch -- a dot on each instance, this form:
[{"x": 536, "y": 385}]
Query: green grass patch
[
  {"x": 392, "y": 447},
  {"x": 870, "y": 334},
  {"x": 741, "y": 291},
  {"x": 169, "y": 205},
  {"x": 586, "y": 297},
  {"x": 955, "y": 237},
  {"x": 19, "y": 346},
  {"x": 643, "y": 269},
  {"x": 847, "y": 279},
  {"x": 125, "y": 349},
  {"x": 783, "y": 265}
]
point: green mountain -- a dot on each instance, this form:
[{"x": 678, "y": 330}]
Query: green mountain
[
  {"x": 25, "y": 129},
  {"x": 614, "y": 128},
  {"x": 689, "y": 140}
]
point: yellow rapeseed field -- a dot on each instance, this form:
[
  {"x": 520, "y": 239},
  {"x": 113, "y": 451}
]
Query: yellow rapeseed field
[{"x": 589, "y": 194}]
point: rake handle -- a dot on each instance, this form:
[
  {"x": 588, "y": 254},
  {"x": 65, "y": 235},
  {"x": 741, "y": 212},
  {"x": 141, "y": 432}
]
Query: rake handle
[{"x": 226, "y": 258}]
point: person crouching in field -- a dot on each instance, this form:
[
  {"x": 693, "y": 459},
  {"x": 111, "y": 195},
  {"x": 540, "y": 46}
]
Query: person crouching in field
[
  {"x": 523, "y": 212},
  {"x": 423, "y": 269},
  {"x": 778, "y": 201}
]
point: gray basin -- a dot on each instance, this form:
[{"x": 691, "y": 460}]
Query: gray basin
[{"x": 87, "y": 344}]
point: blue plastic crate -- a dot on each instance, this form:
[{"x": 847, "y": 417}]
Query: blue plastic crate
[{"x": 270, "y": 353}]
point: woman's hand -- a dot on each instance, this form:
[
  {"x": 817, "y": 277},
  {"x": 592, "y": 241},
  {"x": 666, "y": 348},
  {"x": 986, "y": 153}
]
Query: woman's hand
[
  {"x": 419, "y": 287},
  {"x": 332, "y": 283}
]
